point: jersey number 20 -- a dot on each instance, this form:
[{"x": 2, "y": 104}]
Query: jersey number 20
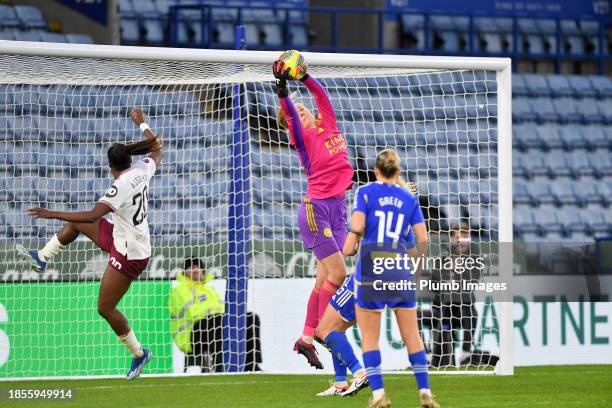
[
  {"x": 140, "y": 199},
  {"x": 386, "y": 228}
]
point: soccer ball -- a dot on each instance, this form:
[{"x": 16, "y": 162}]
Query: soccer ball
[{"x": 295, "y": 62}]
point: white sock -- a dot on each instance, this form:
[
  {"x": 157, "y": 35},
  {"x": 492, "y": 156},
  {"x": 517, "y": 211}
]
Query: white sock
[
  {"x": 377, "y": 394},
  {"x": 424, "y": 391},
  {"x": 132, "y": 344},
  {"x": 340, "y": 383},
  {"x": 307, "y": 339},
  {"x": 51, "y": 249},
  {"x": 465, "y": 354}
]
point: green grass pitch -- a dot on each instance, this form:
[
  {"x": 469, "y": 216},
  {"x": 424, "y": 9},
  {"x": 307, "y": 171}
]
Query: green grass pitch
[{"x": 559, "y": 386}]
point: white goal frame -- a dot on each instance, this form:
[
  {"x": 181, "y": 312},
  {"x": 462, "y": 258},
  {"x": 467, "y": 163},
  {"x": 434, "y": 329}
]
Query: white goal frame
[{"x": 502, "y": 67}]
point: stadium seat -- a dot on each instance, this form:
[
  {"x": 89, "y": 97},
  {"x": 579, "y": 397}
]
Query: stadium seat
[
  {"x": 79, "y": 39},
  {"x": 559, "y": 85},
  {"x": 582, "y": 86},
  {"x": 31, "y": 17},
  {"x": 154, "y": 31},
  {"x": 547, "y": 219},
  {"x": 572, "y": 137},
  {"x": 579, "y": 163},
  {"x": 130, "y": 31},
  {"x": 52, "y": 37},
  {"x": 27, "y": 36},
  {"x": 8, "y": 17},
  {"x": 601, "y": 162},
  {"x": 519, "y": 87},
  {"x": 589, "y": 111},
  {"x": 566, "y": 110},
  {"x": 413, "y": 27},
  {"x": 522, "y": 110},
  {"x": 537, "y": 86},
  {"x": 595, "y": 137},
  {"x": 564, "y": 191},
  {"x": 524, "y": 220},
  {"x": 549, "y": 136},
  {"x": 544, "y": 109},
  {"x": 602, "y": 85},
  {"x": 540, "y": 192}
]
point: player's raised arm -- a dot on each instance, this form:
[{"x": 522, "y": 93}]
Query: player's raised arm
[
  {"x": 151, "y": 144},
  {"x": 328, "y": 116},
  {"x": 288, "y": 115}
]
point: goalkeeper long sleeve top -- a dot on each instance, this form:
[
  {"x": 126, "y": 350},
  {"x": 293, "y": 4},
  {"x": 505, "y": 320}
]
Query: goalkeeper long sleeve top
[{"x": 322, "y": 150}]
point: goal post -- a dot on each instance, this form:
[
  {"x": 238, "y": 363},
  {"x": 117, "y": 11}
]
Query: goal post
[{"x": 228, "y": 191}]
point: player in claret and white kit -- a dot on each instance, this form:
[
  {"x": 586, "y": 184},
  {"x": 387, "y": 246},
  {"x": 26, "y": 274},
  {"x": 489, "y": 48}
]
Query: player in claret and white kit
[
  {"x": 126, "y": 239},
  {"x": 322, "y": 216}
]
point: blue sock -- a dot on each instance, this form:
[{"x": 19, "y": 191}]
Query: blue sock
[
  {"x": 371, "y": 360},
  {"x": 339, "y": 369},
  {"x": 418, "y": 361},
  {"x": 341, "y": 348}
]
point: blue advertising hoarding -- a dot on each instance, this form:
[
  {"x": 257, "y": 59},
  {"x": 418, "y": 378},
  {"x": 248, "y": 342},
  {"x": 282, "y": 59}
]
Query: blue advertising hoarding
[
  {"x": 97, "y": 10},
  {"x": 547, "y": 8}
]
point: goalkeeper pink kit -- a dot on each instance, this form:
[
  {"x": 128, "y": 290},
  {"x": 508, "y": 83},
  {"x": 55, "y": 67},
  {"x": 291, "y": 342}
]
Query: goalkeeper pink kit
[{"x": 323, "y": 154}]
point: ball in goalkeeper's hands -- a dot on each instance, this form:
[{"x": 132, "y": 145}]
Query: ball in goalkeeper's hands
[{"x": 295, "y": 62}]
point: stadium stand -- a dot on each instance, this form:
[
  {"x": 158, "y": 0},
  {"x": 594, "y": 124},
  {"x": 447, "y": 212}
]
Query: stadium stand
[
  {"x": 562, "y": 163},
  {"x": 26, "y": 23}
]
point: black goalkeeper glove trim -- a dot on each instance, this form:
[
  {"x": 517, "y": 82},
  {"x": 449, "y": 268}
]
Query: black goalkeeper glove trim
[
  {"x": 281, "y": 88},
  {"x": 304, "y": 77}
]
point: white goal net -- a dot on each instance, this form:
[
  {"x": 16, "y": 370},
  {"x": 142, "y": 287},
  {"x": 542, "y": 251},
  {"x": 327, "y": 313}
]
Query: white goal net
[{"x": 227, "y": 193}]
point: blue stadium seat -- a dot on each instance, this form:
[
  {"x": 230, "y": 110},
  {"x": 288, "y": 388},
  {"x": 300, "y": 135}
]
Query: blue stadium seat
[
  {"x": 544, "y": 109},
  {"x": 537, "y": 85},
  {"x": 572, "y": 137},
  {"x": 597, "y": 219},
  {"x": 540, "y": 192},
  {"x": 579, "y": 162},
  {"x": 27, "y": 36},
  {"x": 8, "y": 17},
  {"x": 559, "y": 85},
  {"x": 601, "y": 162},
  {"x": 606, "y": 112},
  {"x": 130, "y": 31},
  {"x": 595, "y": 137},
  {"x": 520, "y": 194},
  {"x": 547, "y": 219},
  {"x": 52, "y": 37},
  {"x": 564, "y": 191},
  {"x": 519, "y": 87},
  {"x": 522, "y": 110},
  {"x": 7, "y": 35},
  {"x": 582, "y": 86},
  {"x": 591, "y": 191},
  {"x": 25, "y": 128},
  {"x": 589, "y": 112},
  {"x": 534, "y": 165},
  {"x": 79, "y": 39},
  {"x": 31, "y": 17},
  {"x": 566, "y": 110},
  {"x": 550, "y": 137},
  {"x": 524, "y": 220},
  {"x": 602, "y": 85}
]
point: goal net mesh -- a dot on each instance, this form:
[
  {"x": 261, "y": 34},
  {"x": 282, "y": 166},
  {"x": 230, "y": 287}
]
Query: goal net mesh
[{"x": 58, "y": 116}]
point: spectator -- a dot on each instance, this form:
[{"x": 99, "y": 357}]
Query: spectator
[
  {"x": 196, "y": 321},
  {"x": 196, "y": 318},
  {"x": 453, "y": 310}
]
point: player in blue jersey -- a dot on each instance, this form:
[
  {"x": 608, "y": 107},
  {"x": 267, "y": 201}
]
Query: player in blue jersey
[{"x": 386, "y": 214}]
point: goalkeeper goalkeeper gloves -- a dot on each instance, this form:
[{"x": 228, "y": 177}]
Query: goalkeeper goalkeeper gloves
[{"x": 281, "y": 76}]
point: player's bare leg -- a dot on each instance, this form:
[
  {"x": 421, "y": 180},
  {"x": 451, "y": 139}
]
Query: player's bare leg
[
  {"x": 369, "y": 326},
  {"x": 409, "y": 329},
  {"x": 304, "y": 345},
  {"x": 113, "y": 287},
  {"x": 70, "y": 231}
]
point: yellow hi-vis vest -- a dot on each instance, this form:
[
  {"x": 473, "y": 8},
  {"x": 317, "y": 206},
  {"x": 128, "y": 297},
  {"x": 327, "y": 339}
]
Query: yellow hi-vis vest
[{"x": 191, "y": 301}]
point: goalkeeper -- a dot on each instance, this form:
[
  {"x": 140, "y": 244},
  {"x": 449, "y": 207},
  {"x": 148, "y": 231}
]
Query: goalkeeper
[
  {"x": 126, "y": 240},
  {"x": 322, "y": 217}
]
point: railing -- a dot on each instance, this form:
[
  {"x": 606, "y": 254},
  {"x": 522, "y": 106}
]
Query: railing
[{"x": 203, "y": 16}]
